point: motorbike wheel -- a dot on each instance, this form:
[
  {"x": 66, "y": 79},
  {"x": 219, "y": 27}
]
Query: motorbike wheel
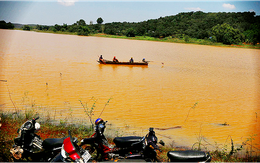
[
  {"x": 14, "y": 159},
  {"x": 153, "y": 160},
  {"x": 91, "y": 149},
  {"x": 20, "y": 160},
  {"x": 149, "y": 160}
]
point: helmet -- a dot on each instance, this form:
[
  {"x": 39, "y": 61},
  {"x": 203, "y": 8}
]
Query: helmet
[
  {"x": 99, "y": 120},
  {"x": 37, "y": 126}
]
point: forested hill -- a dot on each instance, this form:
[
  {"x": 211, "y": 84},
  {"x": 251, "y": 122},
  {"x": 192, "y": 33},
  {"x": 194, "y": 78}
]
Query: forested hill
[
  {"x": 227, "y": 28},
  {"x": 238, "y": 27}
]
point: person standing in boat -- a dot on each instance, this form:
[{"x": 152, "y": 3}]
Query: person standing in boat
[
  {"x": 114, "y": 59},
  {"x": 101, "y": 59},
  {"x": 131, "y": 60}
]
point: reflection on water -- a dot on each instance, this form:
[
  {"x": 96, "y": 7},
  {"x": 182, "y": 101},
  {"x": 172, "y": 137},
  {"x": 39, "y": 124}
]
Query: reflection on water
[{"x": 56, "y": 71}]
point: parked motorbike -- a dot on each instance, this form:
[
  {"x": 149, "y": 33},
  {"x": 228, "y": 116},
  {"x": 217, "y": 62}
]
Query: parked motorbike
[
  {"x": 28, "y": 145},
  {"x": 150, "y": 152},
  {"x": 136, "y": 148},
  {"x": 72, "y": 152},
  {"x": 130, "y": 147}
]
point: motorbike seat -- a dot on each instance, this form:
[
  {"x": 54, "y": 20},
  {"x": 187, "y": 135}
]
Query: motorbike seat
[
  {"x": 127, "y": 141},
  {"x": 50, "y": 143},
  {"x": 188, "y": 156}
]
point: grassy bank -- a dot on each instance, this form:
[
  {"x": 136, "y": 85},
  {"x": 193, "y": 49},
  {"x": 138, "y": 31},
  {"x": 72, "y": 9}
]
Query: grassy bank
[
  {"x": 10, "y": 122},
  {"x": 184, "y": 39}
]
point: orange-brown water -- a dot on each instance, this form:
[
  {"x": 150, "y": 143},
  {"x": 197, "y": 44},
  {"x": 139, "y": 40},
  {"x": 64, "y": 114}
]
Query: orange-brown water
[{"x": 56, "y": 71}]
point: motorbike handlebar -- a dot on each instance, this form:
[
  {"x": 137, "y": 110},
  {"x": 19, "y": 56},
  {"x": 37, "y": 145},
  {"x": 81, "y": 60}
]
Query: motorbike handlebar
[{"x": 36, "y": 118}]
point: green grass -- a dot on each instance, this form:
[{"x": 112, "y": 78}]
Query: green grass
[{"x": 180, "y": 40}]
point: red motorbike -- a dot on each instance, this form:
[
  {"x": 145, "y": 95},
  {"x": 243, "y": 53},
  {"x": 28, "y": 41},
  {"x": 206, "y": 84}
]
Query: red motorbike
[{"x": 71, "y": 152}]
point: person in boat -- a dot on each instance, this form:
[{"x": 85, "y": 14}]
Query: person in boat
[
  {"x": 114, "y": 59},
  {"x": 131, "y": 60},
  {"x": 101, "y": 59},
  {"x": 143, "y": 60}
]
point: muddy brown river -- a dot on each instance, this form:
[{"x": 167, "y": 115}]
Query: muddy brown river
[{"x": 186, "y": 92}]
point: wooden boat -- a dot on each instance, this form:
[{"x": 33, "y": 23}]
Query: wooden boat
[{"x": 123, "y": 63}]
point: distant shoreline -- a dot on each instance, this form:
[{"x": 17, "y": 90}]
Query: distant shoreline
[{"x": 166, "y": 39}]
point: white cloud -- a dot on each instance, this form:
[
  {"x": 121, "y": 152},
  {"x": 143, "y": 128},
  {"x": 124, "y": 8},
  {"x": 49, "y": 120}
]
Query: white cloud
[
  {"x": 67, "y": 2},
  {"x": 229, "y": 6},
  {"x": 194, "y": 9}
]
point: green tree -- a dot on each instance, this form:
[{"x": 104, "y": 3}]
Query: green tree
[
  {"x": 81, "y": 22},
  {"x": 252, "y": 35},
  {"x": 83, "y": 30},
  {"x": 130, "y": 32},
  {"x": 39, "y": 27},
  {"x": 5, "y": 25},
  {"x": 99, "y": 20},
  {"x": 57, "y": 27},
  {"x": 186, "y": 38},
  {"x": 10, "y": 25},
  {"x": 227, "y": 34},
  {"x": 26, "y": 27}
]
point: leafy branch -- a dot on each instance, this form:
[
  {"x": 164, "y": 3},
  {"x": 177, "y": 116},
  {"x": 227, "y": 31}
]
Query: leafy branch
[
  {"x": 89, "y": 111},
  {"x": 193, "y": 107}
]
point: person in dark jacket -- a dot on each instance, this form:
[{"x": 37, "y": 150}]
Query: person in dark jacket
[{"x": 131, "y": 60}]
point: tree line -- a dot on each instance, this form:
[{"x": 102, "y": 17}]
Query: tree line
[
  {"x": 228, "y": 28},
  {"x": 4, "y": 25}
]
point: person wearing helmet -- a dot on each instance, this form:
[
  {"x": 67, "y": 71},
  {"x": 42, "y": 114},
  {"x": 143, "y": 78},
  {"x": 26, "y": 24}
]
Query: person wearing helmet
[
  {"x": 115, "y": 59},
  {"x": 131, "y": 60}
]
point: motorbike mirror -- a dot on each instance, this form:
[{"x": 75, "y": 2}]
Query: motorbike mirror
[
  {"x": 18, "y": 130},
  {"x": 34, "y": 120},
  {"x": 37, "y": 118},
  {"x": 75, "y": 140},
  {"x": 162, "y": 142}
]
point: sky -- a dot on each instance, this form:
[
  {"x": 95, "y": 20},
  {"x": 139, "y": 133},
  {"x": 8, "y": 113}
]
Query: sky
[{"x": 51, "y": 12}]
